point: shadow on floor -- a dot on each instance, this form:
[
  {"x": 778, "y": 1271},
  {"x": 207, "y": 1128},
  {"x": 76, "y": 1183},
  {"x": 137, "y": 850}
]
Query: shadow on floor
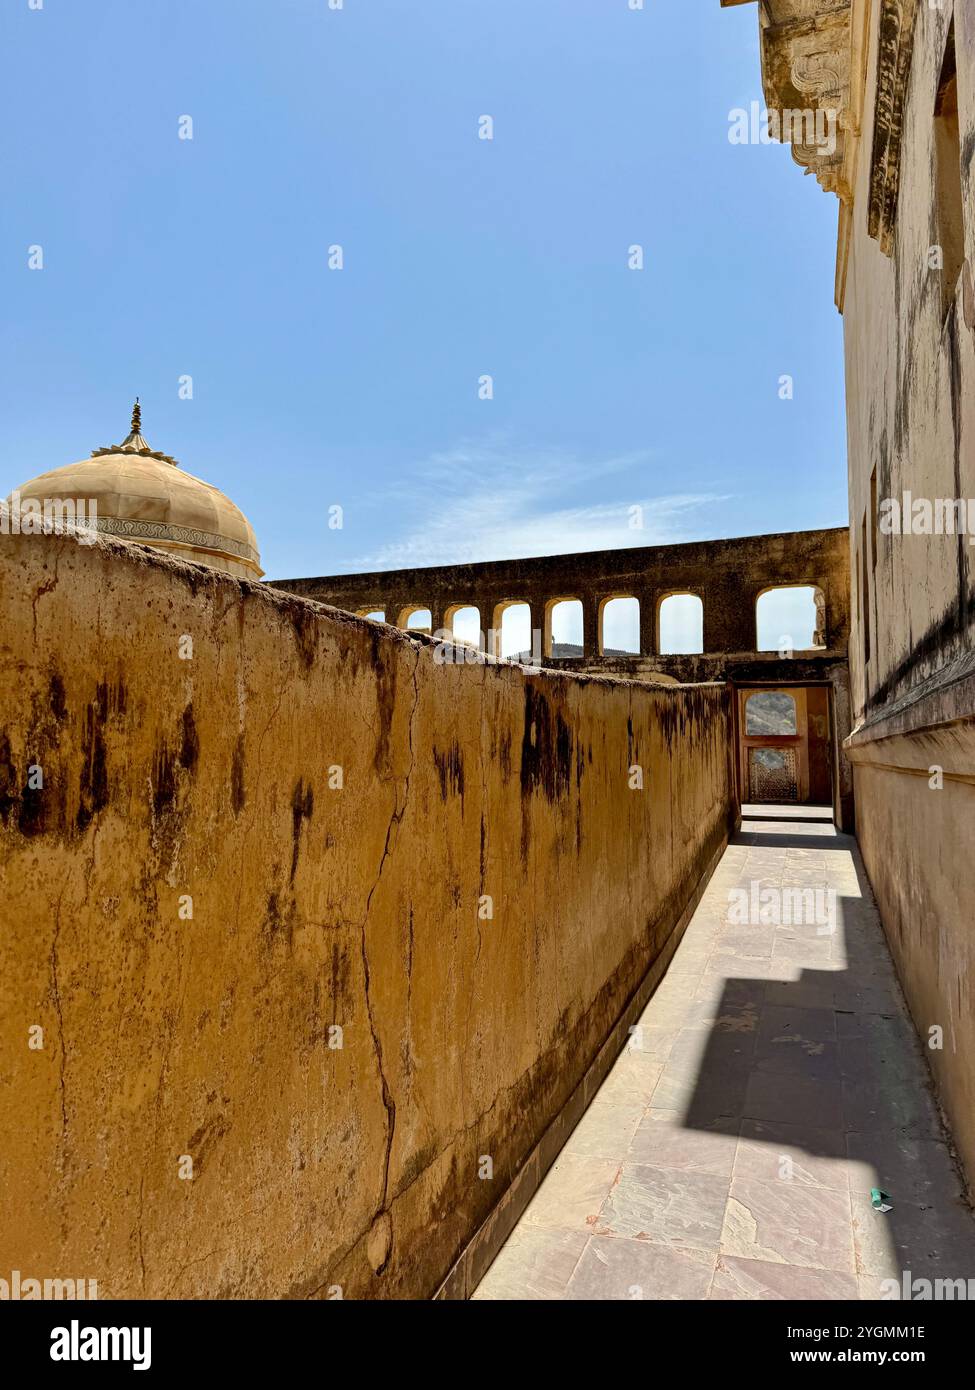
[
  {"x": 827, "y": 1080},
  {"x": 771, "y": 839},
  {"x": 773, "y": 1079}
]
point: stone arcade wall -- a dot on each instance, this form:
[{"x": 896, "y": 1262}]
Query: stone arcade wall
[
  {"x": 727, "y": 575},
  {"x": 163, "y": 1037}
]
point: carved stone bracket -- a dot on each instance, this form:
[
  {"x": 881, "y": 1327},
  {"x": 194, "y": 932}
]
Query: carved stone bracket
[
  {"x": 896, "y": 47},
  {"x": 814, "y": 61},
  {"x": 817, "y": 72},
  {"x": 806, "y": 77}
]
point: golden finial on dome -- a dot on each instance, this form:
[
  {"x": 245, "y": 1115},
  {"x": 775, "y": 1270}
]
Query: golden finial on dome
[{"x": 134, "y": 442}]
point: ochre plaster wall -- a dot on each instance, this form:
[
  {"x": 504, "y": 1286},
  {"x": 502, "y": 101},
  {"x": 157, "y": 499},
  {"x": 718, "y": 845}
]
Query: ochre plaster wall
[
  {"x": 314, "y": 1166},
  {"x": 910, "y": 375},
  {"x": 910, "y": 379},
  {"x": 917, "y": 844}
]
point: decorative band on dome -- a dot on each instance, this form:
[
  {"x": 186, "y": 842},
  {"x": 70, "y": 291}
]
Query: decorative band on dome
[{"x": 179, "y": 535}]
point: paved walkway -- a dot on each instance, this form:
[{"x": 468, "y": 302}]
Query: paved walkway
[{"x": 779, "y": 1080}]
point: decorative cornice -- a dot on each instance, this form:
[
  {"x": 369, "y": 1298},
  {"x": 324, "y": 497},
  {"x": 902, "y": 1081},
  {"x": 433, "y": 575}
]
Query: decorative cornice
[
  {"x": 896, "y": 48},
  {"x": 150, "y": 531},
  {"x": 806, "y": 69},
  {"x": 814, "y": 57}
]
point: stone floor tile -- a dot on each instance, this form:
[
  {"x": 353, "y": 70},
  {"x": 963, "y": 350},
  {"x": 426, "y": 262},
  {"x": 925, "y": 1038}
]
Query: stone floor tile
[
  {"x": 806, "y": 991},
  {"x": 872, "y": 1289},
  {"x": 775, "y": 1152},
  {"x": 701, "y": 1097},
  {"x": 536, "y": 1262},
  {"x": 880, "y": 1104},
  {"x": 708, "y": 1048},
  {"x": 796, "y": 1100},
  {"x": 801, "y": 951},
  {"x": 702, "y": 935},
  {"x": 872, "y": 1045},
  {"x": 728, "y": 968},
  {"x": 662, "y": 1140},
  {"x": 789, "y": 1223},
  {"x": 572, "y": 1192},
  {"x": 815, "y": 1025},
  {"x": 931, "y": 1240},
  {"x": 883, "y": 1031},
  {"x": 633, "y": 1079},
  {"x": 736, "y": 1278},
  {"x": 861, "y": 996},
  {"x": 668, "y": 1014},
  {"x": 665, "y": 1205},
  {"x": 605, "y": 1130},
  {"x": 719, "y": 997},
  {"x": 744, "y": 944},
  {"x": 651, "y": 1040},
  {"x": 791, "y": 1054},
  {"x": 690, "y": 962},
  {"x": 614, "y": 1267},
  {"x": 917, "y": 1170}
]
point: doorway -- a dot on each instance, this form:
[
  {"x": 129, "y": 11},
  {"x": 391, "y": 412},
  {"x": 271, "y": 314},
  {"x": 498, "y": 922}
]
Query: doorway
[{"x": 784, "y": 754}]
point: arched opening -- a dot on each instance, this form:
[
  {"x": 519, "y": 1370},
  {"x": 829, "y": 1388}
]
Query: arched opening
[
  {"x": 512, "y": 626},
  {"x": 770, "y": 712},
  {"x": 680, "y": 625},
  {"x": 377, "y": 615},
  {"x": 563, "y": 627},
  {"x": 790, "y": 618},
  {"x": 619, "y": 626},
  {"x": 464, "y": 625},
  {"x": 416, "y": 620}
]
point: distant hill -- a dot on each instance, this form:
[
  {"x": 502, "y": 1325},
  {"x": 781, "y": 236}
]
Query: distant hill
[
  {"x": 770, "y": 712},
  {"x": 570, "y": 649}
]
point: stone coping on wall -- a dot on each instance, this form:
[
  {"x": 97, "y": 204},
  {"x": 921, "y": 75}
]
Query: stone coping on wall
[
  {"x": 203, "y": 575},
  {"x": 625, "y": 561},
  {"x": 945, "y": 697}
]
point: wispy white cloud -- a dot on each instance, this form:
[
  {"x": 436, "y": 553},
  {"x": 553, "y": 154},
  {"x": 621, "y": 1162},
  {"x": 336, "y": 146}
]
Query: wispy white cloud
[{"x": 491, "y": 502}]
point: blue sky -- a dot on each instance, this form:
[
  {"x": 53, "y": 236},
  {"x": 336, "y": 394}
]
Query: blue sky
[{"x": 358, "y": 387}]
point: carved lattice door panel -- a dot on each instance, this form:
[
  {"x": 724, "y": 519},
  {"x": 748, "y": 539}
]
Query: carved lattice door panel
[{"x": 773, "y": 774}]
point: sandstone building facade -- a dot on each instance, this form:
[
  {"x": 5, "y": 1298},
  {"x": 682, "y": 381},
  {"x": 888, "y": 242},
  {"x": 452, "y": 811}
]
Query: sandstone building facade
[{"x": 899, "y": 75}]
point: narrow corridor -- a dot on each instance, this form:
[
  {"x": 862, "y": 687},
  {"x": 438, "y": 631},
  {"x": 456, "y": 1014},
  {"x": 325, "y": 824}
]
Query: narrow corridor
[{"x": 774, "y": 1080}]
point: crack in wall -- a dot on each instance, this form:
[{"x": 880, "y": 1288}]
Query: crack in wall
[
  {"x": 56, "y": 988},
  {"x": 389, "y": 1104},
  {"x": 47, "y": 587},
  {"x": 142, "y": 1254}
]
